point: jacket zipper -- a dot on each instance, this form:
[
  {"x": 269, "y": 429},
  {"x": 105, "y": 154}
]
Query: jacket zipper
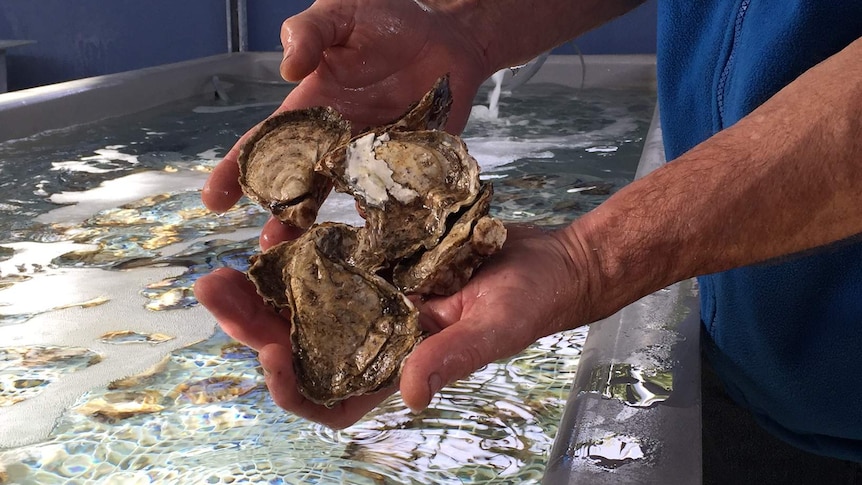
[{"x": 725, "y": 73}]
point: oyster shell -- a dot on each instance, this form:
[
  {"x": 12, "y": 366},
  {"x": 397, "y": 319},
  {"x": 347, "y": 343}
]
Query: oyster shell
[
  {"x": 407, "y": 184},
  {"x": 447, "y": 267},
  {"x": 427, "y": 228},
  {"x": 350, "y": 328},
  {"x": 429, "y": 113},
  {"x": 266, "y": 271},
  {"x": 270, "y": 270},
  {"x": 276, "y": 165}
]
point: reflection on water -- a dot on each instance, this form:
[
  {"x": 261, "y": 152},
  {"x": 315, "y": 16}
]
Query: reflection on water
[
  {"x": 200, "y": 258},
  {"x": 201, "y": 414},
  {"x": 133, "y": 233},
  {"x": 205, "y": 417},
  {"x": 25, "y": 371}
]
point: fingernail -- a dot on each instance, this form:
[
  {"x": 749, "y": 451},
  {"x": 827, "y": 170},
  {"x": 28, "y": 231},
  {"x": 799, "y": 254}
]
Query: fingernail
[
  {"x": 435, "y": 383},
  {"x": 288, "y": 51}
]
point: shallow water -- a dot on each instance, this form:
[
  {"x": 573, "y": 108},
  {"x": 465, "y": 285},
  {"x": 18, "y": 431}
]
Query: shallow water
[{"x": 111, "y": 373}]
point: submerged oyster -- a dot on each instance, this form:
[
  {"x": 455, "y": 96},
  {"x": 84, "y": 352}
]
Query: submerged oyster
[{"x": 427, "y": 229}]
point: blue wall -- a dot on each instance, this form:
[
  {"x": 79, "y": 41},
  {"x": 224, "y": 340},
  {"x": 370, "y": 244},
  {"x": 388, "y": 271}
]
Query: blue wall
[
  {"x": 83, "y": 38},
  {"x": 633, "y": 33},
  {"x": 264, "y": 21}
]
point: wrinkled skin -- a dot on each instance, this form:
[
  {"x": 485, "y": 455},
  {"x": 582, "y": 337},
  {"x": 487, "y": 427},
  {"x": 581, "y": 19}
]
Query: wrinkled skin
[{"x": 371, "y": 79}]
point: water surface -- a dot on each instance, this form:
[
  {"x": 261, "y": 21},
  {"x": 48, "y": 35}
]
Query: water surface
[{"x": 110, "y": 372}]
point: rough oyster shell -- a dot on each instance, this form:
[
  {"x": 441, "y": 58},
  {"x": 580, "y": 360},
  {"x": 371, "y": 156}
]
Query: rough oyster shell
[
  {"x": 267, "y": 273},
  {"x": 445, "y": 268},
  {"x": 351, "y": 329},
  {"x": 407, "y": 184},
  {"x": 427, "y": 228},
  {"x": 429, "y": 113},
  {"x": 276, "y": 165}
]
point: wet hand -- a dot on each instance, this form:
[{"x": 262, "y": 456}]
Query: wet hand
[
  {"x": 368, "y": 62},
  {"x": 243, "y": 315},
  {"x": 530, "y": 289},
  {"x": 524, "y": 292}
]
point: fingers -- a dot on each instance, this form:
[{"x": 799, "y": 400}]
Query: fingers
[
  {"x": 305, "y": 36},
  {"x": 277, "y": 362},
  {"x": 275, "y": 231},
  {"x": 222, "y": 190},
  {"x": 240, "y": 311},
  {"x": 453, "y": 353}
]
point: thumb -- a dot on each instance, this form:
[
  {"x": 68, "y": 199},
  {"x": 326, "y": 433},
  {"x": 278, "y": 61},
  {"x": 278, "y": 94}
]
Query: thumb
[
  {"x": 451, "y": 354},
  {"x": 306, "y": 35}
]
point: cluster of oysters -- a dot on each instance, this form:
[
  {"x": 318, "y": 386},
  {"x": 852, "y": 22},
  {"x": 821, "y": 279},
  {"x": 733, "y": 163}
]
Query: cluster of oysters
[{"x": 426, "y": 230}]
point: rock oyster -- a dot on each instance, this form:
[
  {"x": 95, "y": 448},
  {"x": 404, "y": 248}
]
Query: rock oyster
[
  {"x": 407, "y": 184},
  {"x": 276, "y": 166},
  {"x": 427, "y": 229},
  {"x": 445, "y": 268}
]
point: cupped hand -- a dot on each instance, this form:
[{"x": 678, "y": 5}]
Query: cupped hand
[
  {"x": 370, "y": 62},
  {"x": 530, "y": 289},
  {"x": 243, "y": 315}
]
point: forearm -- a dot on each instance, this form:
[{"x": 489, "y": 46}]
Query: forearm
[
  {"x": 784, "y": 179},
  {"x": 514, "y": 31}
]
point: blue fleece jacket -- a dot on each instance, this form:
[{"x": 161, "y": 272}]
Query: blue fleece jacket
[{"x": 786, "y": 337}]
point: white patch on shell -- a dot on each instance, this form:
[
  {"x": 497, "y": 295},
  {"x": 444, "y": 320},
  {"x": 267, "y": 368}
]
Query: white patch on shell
[{"x": 371, "y": 177}]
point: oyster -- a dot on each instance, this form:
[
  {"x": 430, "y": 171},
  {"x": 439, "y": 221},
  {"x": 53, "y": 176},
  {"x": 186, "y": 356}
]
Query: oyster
[
  {"x": 447, "y": 267},
  {"x": 407, "y": 184},
  {"x": 427, "y": 229},
  {"x": 266, "y": 271},
  {"x": 351, "y": 328},
  {"x": 276, "y": 165}
]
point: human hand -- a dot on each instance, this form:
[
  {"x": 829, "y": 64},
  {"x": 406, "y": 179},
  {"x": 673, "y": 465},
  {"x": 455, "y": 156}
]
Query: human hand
[
  {"x": 370, "y": 62},
  {"x": 528, "y": 290}
]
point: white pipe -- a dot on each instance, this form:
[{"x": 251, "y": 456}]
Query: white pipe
[{"x": 242, "y": 25}]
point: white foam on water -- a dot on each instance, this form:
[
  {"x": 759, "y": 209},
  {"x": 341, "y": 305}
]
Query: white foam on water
[
  {"x": 211, "y": 154},
  {"x": 31, "y": 255},
  {"x": 112, "y": 153},
  {"x": 496, "y": 152},
  {"x": 80, "y": 166},
  {"x": 494, "y": 97},
  {"x": 480, "y": 112},
  {"x": 130, "y": 188}
]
